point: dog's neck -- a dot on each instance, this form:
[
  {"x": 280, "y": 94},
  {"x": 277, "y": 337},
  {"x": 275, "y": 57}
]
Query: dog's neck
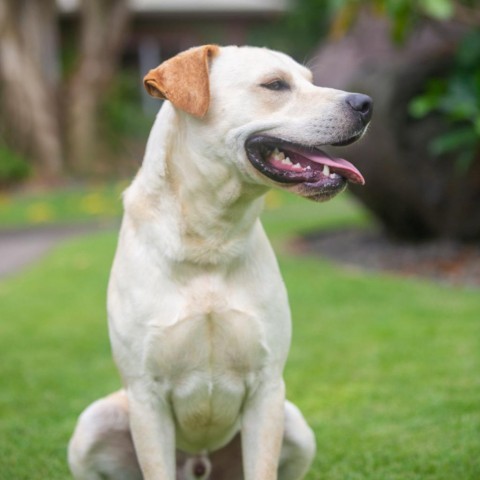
[{"x": 200, "y": 200}]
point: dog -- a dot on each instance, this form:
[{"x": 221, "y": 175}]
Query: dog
[{"x": 199, "y": 319}]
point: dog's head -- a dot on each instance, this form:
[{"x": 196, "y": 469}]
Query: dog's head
[{"x": 272, "y": 121}]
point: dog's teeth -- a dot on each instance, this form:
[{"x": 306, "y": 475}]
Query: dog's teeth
[
  {"x": 334, "y": 175},
  {"x": 308, "y": 167},
  {"x": 326, "y": 170},
  {"x": 286, "y": 161},
  {"x": 297, "y": 165},
  {"x": 278, "y": 155}
]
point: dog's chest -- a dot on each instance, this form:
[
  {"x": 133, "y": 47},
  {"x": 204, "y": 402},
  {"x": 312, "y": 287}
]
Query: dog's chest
[
  {"x": 215, "y": 343},
  {"x": 207, "y": 360}
]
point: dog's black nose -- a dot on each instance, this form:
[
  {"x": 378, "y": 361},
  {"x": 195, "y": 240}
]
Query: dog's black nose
[{"x": 362, "y": 104}]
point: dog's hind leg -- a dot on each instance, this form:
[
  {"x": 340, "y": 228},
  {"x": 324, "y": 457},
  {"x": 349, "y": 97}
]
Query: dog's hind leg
[
  {"x": 298, "y": 448},
  {"x": 101, "y": 448}
]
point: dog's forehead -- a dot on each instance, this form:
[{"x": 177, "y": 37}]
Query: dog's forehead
[{"x": 252, "y": 62}]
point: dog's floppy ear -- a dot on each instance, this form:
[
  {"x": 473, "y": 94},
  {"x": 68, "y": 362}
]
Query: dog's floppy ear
[{"x": 183, "y": 80}]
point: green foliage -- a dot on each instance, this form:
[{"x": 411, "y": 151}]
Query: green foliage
[
  {"x": 305, "y": 29},
  {"x": 122, "y": 114},
  {"x": 457, "y": 98},
  {"x": 403, "y": 14},
  {"x": 312, "y": 20},
  {"x": 13, "y": 167},
  {"x": 439, "y": 9}
]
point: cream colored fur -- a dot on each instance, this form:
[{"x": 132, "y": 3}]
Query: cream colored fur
[{"x": 198, "y": 313}]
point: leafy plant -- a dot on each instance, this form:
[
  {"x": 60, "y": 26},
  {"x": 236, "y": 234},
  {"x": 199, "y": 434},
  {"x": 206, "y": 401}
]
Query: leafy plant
[
  {"x": 312, "y": 20},
  {"x": 457, "y": 97},
  {"x": 13, "y": 167},
  {"x": 121, "y": 113}
]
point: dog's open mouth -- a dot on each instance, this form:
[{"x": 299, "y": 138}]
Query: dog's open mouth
[{"x": 289, "y": 163}]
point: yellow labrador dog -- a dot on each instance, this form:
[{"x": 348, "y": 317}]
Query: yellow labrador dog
[{"x": 199, "y": 318}]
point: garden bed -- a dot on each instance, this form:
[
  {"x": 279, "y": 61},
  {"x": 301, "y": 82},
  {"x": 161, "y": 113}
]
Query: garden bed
[{"x": 443, "y": 261}]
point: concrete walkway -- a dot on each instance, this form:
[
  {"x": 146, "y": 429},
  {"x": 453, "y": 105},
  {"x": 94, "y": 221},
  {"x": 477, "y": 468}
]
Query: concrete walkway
[{"x": 21, "y": 247}]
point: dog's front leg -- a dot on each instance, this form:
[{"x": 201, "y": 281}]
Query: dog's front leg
[
  {"x": 262, "y": 431},
  {"x": 153, "y": 433}
]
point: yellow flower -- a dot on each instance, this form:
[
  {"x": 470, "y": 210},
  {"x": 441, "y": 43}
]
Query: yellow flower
[
  {"x": 4, "y": 200},
  {"x": 40, "y": 212},
  {"x": 94, "y": 204}
]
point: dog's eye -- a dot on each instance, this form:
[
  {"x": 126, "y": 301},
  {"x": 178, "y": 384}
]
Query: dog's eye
[{"x": 276, "y": 85}]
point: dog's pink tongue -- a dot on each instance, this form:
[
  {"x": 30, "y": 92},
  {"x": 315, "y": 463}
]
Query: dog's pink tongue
[{"x": 339, "y": 165}]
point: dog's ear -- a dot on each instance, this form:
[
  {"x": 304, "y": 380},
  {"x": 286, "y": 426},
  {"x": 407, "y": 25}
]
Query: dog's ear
[{"x": 183, "y": 80}]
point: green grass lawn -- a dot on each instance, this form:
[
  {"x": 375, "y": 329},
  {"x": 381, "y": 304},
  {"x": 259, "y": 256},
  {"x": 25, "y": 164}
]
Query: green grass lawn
[
  {"x": 84, "y": 203},
  {"x": 386, "y": 370}
]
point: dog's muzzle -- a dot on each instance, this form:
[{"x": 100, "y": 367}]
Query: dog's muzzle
[
  {"x": 307, "y": 170},
  {"x": 310, "y": 172}
]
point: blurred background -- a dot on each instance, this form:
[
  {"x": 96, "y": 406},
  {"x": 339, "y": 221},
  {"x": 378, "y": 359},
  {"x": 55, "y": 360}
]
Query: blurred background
[
  {"x": 383, "y": 280},
  {"x": 74, "y": 110}
]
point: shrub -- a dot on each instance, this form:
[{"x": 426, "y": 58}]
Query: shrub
[
  {"x": 457, "y": 98},
  {"x": 13, "y": 167}
]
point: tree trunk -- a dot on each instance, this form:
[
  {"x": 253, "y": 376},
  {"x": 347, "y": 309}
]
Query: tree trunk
[
  {"x": 104, "y": 24},
  {"x": 29, "y": 80}
]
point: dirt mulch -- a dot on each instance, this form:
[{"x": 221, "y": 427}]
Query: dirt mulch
[{"x": 443, "y": 261}]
